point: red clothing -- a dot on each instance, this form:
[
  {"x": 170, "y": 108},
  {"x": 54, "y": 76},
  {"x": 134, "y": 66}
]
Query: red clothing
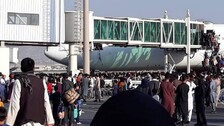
[
  {"x": 49, "y": 88},
  {"x": 79, "y": 79},
  {"x": 167, "y": 96}
]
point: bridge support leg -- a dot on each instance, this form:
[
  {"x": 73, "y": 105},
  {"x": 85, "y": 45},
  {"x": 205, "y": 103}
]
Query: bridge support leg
[
  {"x": 2, "y": 44},
  {"x": 73, "y": 59},
  {"x": 165, "y": 60},
  {"x": 188, "y": 48}
]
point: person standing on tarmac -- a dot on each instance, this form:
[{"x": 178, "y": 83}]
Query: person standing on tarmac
[
  {"x": 68, "y": 108},
  {"x": 29, "y": 92},
  {"x": 167, "y": 94},
  {"x": 182, "y": 99},
  {"x": 200, "y": 102}
]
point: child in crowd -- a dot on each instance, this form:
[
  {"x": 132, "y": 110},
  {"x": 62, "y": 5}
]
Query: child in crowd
[
  {"x": 77, "y": 112},
  {"x": 3, "y": 114}
]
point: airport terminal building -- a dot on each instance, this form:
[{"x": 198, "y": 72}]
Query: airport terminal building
[{"x": 23, "y": 22}]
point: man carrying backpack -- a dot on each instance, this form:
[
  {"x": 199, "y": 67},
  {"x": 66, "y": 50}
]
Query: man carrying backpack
[{"x": 68, "y": 107}]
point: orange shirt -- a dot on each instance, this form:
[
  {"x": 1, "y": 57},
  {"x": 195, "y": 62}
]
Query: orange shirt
[{"x": 1, "y": 104}]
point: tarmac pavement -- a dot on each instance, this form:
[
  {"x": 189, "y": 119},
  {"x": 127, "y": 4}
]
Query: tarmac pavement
[
  {"x": 213, "y": 119},
  {"x": 90, "y": 108}
]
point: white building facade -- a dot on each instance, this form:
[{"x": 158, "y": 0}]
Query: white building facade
[{"x": 25, "y": 20}]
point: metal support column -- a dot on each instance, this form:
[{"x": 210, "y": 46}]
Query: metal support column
[
  {"x": 188, "y": 49},
  {"x": 2, "y": 44},
  {"x": 73, "y": 67},
  {"x": 165, "y": 50},
  {"x": 86, "y": 51},
  {"x": 166, "y": 60}
]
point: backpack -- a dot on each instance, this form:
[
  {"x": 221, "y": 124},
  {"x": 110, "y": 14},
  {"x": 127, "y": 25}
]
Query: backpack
[{"x": 71, "y": 95}]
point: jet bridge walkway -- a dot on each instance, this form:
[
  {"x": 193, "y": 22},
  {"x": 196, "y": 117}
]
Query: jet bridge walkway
[{"x": 154, "y": 33}]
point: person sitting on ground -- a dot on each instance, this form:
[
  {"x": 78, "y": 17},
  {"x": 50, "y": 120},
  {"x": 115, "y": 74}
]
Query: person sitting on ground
[{"x": 132, "y": 108}]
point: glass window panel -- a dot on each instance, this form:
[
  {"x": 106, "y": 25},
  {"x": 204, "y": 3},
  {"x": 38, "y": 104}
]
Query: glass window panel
[
  {"x": 177, "y": 33},
  {"x": 147, "y": 31},
  {"x": 96, "y": 29},
  {"x": 117, "y": 31},
  {"x": 183, "y": 34},
  {"x": 104, "y": 29},
  {"x": 140, "y": 31},
  {"x": 11, "y": 18},
  {"x": 124, "y": 31},
  {"x": 134, "y": 31},
  {"x": 136, "y": 28},
  {"x": 34, "y": 19},
  {"x": 23, "y": 19},
  {"x": 168, "y": 32},
  {"x": 153, "y": 32},
  {"x": 158, "y": 32},
  {"x": 193, "y": 33},
  {"x": 110, "y": 30}
]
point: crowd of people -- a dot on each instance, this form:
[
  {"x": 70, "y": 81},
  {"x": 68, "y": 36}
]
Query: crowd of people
[{"x": 176, "y": 92}]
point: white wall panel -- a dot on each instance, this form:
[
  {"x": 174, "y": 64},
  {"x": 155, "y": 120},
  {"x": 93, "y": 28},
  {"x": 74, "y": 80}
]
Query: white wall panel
[
  {"x": 4, "y": 64},
  {"x": 21, "y": 32}
]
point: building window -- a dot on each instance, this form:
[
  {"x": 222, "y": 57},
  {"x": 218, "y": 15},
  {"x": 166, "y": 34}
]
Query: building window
[{"x": 23, "y": 19}]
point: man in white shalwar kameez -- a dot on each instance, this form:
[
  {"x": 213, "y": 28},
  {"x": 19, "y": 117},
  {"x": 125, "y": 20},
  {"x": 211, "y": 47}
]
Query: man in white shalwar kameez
[
  {"x": 213, "y": 94},
  {"x": 192, "y": 86}
]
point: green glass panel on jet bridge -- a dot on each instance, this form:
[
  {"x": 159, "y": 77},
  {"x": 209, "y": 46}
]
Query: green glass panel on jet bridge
[
  {"x": 151, "y": 31},
  {"x": 97, "y": 29},
  {"x": 168, "y": 32},
  {"x": 136, "y": 31},
  {"x": 114, "y": 30},
  {"x": 196, "y": 33},
  {"x": 180, "y": 33},
  {"x": 124, "y": 30},
  {"x": 110, "y": 30},
  {"x": 104, "y": 29}
]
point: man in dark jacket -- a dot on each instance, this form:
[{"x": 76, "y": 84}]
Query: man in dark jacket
[
  {"x": 68, "y": 108},
  {"x": 154, "y": 85},
  {"x": 56, "y": 100},
  {"x": 200, "y": 103},
  {"x": 182, "y": 99},
  {"x": 144, "y": 87}
]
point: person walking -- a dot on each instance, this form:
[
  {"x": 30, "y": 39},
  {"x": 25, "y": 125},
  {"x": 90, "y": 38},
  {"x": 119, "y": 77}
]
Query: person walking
[{"x": 29, "y": 92}]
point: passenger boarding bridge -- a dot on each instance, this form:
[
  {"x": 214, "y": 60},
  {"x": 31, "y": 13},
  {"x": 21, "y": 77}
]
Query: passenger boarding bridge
[
  {"x": 160, "y": 32},
  {"x": 164, "y": 33}
]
